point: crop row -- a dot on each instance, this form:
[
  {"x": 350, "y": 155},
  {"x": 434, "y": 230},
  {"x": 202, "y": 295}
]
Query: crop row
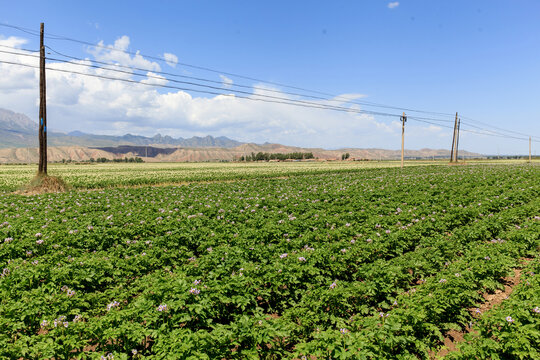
[
  {"x": 510, "y": 330},
  {"x": 416, "y": 323}
]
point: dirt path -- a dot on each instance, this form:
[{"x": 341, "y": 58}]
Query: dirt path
[{"x": 454, "y": 337}]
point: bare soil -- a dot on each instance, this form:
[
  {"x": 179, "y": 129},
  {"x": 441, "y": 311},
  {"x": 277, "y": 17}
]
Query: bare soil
[{"x": 454, "y": 337}]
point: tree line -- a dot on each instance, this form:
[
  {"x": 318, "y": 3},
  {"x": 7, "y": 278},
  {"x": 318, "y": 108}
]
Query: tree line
[
  {"x": 105, "y": 160},
  {"x": 260, "y": 156}
]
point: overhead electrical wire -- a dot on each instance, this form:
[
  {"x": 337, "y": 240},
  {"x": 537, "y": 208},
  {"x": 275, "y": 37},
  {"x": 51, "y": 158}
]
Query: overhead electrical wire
[
  {"x": 478, "y": 132},
  {"x": 289, "y": 101},
  {"x": 161, "y": 59},
  {"x": 264, "y": 98},
  {"x": 365, "y": 103},
  {"x": 200, "y": 85},
  {"x": 491, "y": 131},
  {"x": 315, "y": 106},
  {"x": 249, "y": 98},
  {"x": 498, "y": 128},
  {"x": 17, "y": 48}
]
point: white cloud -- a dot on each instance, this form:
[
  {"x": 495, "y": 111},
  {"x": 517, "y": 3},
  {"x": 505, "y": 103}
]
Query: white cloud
[
  {"x": 393, "y": 5},
  {"x": 12, "y": 41},
  {"x": 95, "y": 105},
  {"x": 154, "y": 79},
  {"x": 227, "y": 83},
  {"x": 171, "y": 59},
  {"x": 116, "y": 54},
  {"x": 20, "y": 78}
]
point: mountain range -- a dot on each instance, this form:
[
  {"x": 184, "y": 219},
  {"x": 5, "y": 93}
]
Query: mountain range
[
  {"x": 18, "y": 144},
  {"x": 17, "y": 130}
]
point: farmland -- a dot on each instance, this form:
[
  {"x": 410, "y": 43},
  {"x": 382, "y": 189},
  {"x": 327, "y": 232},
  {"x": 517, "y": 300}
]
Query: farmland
[
  {"x": 91, "y": 176},
  {"x": 270, "y": 261}
]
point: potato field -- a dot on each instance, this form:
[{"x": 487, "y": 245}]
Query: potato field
[{"x": 274, "y": 261}]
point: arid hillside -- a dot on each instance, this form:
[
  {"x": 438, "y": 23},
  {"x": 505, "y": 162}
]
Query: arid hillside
[{"x": 74, "y": 153}]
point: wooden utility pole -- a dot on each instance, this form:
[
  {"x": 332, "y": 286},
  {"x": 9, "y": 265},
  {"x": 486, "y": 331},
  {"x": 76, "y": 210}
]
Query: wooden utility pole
[
  {"x": 42, "y": 168},
  {"x": 403, "y": 120},
  {"x": 453, "y": 141},
  {"x": 456, "y": 157},
  {"x": 530, "y": 149}
]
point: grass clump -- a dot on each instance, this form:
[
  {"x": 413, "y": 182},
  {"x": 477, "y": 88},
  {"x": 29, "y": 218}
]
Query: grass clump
[{"x": 43, "y": 183}]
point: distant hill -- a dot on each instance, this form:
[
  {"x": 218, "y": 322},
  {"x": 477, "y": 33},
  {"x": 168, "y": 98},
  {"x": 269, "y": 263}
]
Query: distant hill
[
  {"x": 18, "y": 144},
  {"x": 17, "y": 130},
  {"x": 182, "y": 154}
]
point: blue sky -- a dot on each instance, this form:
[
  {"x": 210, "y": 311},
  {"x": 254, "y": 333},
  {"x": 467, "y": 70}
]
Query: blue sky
[{"x": 480, "y": 58}]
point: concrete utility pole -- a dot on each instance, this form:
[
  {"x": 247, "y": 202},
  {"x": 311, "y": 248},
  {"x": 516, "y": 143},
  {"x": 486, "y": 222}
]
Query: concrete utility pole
[
  {"x": 452, "y": 159},
  {"x": 42, "y": 167},
  {"x": 403, "y": 120},
  {"x": 456, "y": 157}
]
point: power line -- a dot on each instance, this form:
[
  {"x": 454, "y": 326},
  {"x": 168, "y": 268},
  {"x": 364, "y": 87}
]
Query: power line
[
  {"x": 275, "y": 99},
  {"x": 491, "y": 131},
  {"x": 331, "y": 107},
  {"x": 323, "y": 106},
  {"x": 16, "y": 48},
  {"x": 478, "y": 132},
  {"x": 335, "y": 97},
  {"x": 326, "y": 106},
  {"x": 365, "y": 103},
  {"x": 25, "y": 30},
  {"x": 190, "y": 77},
  {"x": 498, "y": 128},
  {"x": 315, "y": 106}
]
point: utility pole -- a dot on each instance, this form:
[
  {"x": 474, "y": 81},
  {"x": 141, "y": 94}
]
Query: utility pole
[
  {"x": 456, "y": 157},
  {"x": 403, "y": 120},
  {"x": 530, "y": 149},
  {"x": 42, "y": 168},
  {"x": 453, "y": 140}
]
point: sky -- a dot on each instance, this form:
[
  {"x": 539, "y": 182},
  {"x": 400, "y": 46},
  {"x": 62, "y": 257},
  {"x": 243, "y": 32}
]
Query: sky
[{"x": 478, "y": 58}]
